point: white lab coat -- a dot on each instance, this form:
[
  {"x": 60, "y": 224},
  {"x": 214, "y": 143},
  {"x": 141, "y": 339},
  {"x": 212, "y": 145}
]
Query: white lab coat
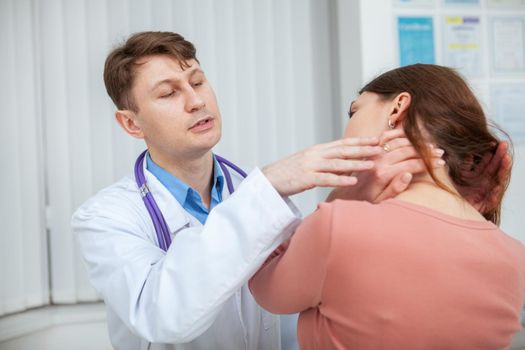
[{"x": 194, "y": 296}]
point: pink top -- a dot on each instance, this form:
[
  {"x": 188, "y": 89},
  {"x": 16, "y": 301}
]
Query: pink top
[{"x": 396, "y": 275}]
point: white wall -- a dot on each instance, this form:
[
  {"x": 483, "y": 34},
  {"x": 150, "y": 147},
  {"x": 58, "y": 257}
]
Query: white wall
[
  {"x": 269, "y": 62},
  {"x": 23, "y": 254},
  {"x": 373, "y": 30}
]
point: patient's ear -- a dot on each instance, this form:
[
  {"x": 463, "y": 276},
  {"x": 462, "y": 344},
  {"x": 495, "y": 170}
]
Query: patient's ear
[
  {"x": 128, "y": 121},
  {"x": 400, "y": 106}
]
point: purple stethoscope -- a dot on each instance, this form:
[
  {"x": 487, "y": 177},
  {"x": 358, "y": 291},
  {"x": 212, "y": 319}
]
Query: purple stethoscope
[{"x": 161, "y": 228}]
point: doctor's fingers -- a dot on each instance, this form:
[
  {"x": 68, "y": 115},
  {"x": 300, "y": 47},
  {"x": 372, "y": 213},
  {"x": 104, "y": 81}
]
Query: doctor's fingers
[
  {"x": 350, "y": 152},
  {"x": 333, "y": 180},
  {"x": 396, "y": 155},
  {"x": 398, "y": 184},
  {"x": 395, "y": 144},
  {"x": 491, "y": 162},
  {"x": 342, "y": 166},
  {"x": 390, "y": 135},
  {"x": 345, "y": 143},
  {"x": 413, "y": 166},
  {"x": 495, "y": 165},
  {"x": 491, "y": 166}
]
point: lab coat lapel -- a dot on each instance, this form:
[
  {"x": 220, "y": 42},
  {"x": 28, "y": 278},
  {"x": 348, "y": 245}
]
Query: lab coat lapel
[{"x": 175, "y": 215}]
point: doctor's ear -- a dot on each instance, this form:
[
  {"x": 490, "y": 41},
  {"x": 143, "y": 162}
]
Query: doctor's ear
[
  {"x": 400, "y": 105},
  {"x": 128, "y": 121}
]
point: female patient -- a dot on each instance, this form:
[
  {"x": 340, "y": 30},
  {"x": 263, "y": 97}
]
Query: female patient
[{"x": 424, "y": 270}]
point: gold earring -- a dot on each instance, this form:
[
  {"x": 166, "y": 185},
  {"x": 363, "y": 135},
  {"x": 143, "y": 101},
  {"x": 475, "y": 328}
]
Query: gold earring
[{"x": 391, "y": 124}]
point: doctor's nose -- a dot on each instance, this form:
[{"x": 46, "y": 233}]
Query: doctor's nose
[{"x": 194, "y": 101}]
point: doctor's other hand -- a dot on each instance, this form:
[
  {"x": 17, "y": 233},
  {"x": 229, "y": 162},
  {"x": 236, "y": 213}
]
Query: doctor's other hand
[
  {"x": 393, "y": 171},
  {"x": 488, "y": 179},
  {"x": 330, "y": 164}
]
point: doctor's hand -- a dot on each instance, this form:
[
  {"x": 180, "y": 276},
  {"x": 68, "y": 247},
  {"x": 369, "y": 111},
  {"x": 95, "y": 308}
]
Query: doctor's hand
[
  {"x": 331, "y": 164},
  {"x": 392, "y": 174},
  {"x": 488, "y": 180}
]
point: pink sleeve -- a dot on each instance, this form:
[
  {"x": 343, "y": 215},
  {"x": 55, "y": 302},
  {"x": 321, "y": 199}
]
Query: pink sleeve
[{"x": 292, "y": 281}]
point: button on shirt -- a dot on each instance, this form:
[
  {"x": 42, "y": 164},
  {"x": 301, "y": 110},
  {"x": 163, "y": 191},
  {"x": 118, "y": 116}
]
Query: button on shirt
[{"x": 188, "y": 198}]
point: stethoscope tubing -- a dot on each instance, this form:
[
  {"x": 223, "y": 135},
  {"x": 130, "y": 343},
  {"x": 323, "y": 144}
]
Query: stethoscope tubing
[
  {"x": 156, "y": 215},
  {"x": 159, "y": 223}
]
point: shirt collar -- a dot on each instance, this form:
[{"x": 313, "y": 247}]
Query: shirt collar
[
  {"x": 218, "y": 180},
  {"x": 179, "y": 189}
]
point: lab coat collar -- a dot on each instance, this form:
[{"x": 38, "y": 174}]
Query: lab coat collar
[{"x": 175, "y": 215}]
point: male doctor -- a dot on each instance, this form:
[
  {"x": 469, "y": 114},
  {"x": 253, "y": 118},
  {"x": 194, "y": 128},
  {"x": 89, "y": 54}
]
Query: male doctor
[{"x": 194, "y": 295}]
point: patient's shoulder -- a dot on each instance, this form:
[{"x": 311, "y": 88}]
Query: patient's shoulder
[{"x": 352, "y": 209}]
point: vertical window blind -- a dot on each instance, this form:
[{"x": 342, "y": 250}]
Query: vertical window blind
[
  {"x": 269, "y": 62},
  {"x": 23, "y": 253}
]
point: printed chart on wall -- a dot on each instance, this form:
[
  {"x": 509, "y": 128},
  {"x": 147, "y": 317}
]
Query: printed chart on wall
[
  {"x": 506, "y": 3},
  {"x": 462, "y": 44},
  {"x": 508, "y": 110},
  {"x": 508, "y": 45},
  {"x": 461, "y": 2},
  {"x": 414, "y": 3},
  {"x": 416, "y": 40}
]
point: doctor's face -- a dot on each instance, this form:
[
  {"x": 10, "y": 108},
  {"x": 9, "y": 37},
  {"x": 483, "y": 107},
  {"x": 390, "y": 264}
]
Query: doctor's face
[
  {"x": 368, "y": 116},
  {"x": 177, "y": 108}
]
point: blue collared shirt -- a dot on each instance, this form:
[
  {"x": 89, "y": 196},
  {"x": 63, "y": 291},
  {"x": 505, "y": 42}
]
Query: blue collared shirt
[{"x": 188, "y": 198}]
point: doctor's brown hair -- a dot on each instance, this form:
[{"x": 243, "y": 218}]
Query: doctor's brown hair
[
  {"x": 119, "y": 69},
  {"x": 451, "y": 117}
]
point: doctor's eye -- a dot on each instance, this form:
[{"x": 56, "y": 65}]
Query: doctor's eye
[
  {"x": 169, "y": 94},
  {"x": 196, "y": 84},
  {"x": 350, "y": 114}
]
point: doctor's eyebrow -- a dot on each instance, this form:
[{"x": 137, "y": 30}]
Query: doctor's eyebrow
[{"x": 191, "y": 73}]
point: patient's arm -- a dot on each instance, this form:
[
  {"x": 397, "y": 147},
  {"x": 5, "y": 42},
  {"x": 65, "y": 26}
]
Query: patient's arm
[{"x": 292, "y": 280}]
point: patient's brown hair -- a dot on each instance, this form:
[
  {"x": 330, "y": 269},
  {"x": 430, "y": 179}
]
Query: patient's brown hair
[
  {"x": 445, "y": 107},
  {"x": 119, "y": 69}
]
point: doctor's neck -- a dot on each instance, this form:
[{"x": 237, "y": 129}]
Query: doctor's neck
[{"x": 197, "y": 172}]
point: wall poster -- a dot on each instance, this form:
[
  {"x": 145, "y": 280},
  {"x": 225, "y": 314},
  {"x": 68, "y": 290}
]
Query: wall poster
[
  {"x": 416, "y": 40},
  {"x": 508, "y": 44},
  {"x": 461, "y": 2},
  {"x": 462, "y": 44},
  {"x": 414, "y": 3},
  {"x": 506, "y": 3},
  {"x": 508, "y": 110}
]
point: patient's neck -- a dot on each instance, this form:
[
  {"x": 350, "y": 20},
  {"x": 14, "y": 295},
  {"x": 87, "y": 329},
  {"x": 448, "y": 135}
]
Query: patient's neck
[{"x": 425, "y": 192}]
